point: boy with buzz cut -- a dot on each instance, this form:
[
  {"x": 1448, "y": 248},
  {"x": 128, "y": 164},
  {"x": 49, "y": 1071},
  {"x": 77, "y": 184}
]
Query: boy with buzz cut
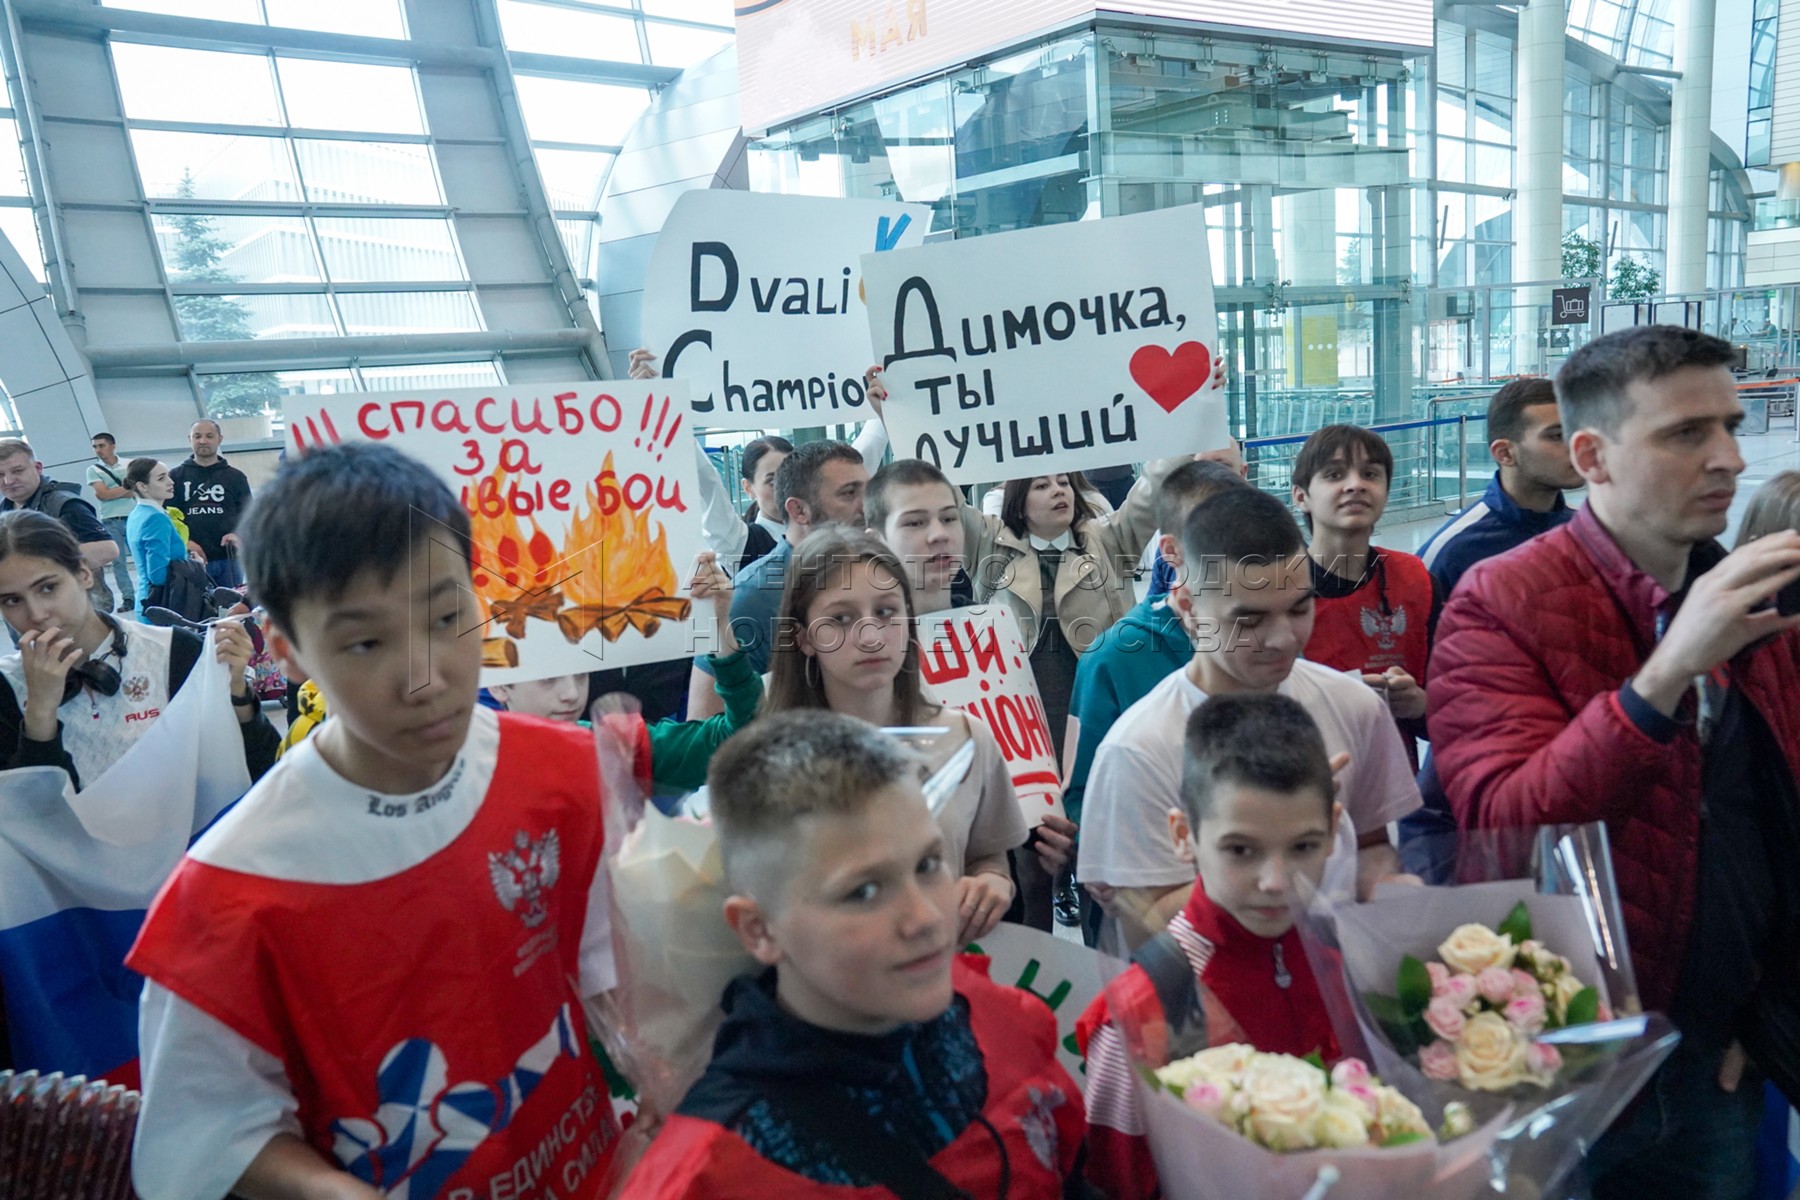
[
  {"x": 868, "y": 1058},
  {"x": 1256, "y": 815},
  {"x": 368, "y": 978},
  {"x": 1246, "y": 600}
]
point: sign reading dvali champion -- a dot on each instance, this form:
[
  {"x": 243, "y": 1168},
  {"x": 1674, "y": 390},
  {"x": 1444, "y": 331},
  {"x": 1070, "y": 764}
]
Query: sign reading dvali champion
[
  {"x": 1052, "y": 349},
  {"x": 757, "y": 301}
]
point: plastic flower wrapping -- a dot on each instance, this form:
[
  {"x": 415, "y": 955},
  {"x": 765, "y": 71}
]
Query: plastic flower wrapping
[
  {"x": 1226, "y": 1122},
  {"x": 1507, "y": 987},
  {"x": 1230, "y": 1123},
  {"x": 675, "y": 954}
]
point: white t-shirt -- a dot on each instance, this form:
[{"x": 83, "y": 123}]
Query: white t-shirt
[
  {"x": 1136, "y": 777},
  {"x": 982, "y": 816},
  {"x": 213, "y": 1098}
]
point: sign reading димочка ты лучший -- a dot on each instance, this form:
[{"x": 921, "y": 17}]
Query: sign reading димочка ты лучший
[
  {"x": 1053, "y": 349},
  {"x": 757, "y": 301}
]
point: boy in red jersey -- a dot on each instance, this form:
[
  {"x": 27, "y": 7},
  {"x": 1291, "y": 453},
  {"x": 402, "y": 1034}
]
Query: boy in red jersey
[
  {"x": 1376, "y": 607},
  {"x": 367, "y": 979},
  {"x": 868, "y": 1055},
  {"x": 1256, "y": 813}
]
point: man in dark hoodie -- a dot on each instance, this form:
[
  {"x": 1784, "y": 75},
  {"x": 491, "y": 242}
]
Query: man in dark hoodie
[
  {"x": 868, "y": 1054},
  {"x": 212, "y": 494}
]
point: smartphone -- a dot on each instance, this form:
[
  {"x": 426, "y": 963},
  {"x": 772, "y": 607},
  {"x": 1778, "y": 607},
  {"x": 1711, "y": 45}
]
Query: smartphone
[{"x": 1787, "y": 600}]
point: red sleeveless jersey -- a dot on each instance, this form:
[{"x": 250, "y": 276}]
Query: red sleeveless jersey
[
  {"x": 1384, "y": 623},
  {"x": 429, "y": 1021},
  {"x": 1025, "y": 1147}
]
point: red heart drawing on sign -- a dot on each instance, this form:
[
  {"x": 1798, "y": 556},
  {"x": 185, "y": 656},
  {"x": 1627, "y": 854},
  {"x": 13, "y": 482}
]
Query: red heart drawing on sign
[{"x": 1171, "y": 378}]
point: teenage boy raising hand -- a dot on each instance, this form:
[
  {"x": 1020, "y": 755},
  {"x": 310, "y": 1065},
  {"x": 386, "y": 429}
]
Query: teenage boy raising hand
[{"x": 368, "y": 978}]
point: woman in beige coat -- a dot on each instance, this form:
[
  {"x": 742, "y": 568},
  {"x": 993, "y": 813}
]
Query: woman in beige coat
[{"x": 1064, "y": 571}]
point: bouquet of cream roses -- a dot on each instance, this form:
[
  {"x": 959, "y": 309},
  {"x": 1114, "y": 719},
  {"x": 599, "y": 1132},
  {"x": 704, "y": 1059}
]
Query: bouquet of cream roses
[
  {"x": 1285, "y": 1103},
  {"x": 1538, "y": 1015},
  {"x": 1231, "y": 1123},
  {"x": 1473, "y": 1016}
]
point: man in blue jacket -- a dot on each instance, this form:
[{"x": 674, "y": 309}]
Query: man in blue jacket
[{"x": 1526, "y": 496}]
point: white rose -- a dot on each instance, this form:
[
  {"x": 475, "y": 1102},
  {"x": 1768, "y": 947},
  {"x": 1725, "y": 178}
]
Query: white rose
[
  {"x": 1285, "y": 1096},
  {"x": 1475, "y": 948},
  {"x": 1343, "y": 1122},
  {"x": 1395, "y": 1114},
  {"x": 1562, "y": 989},
  {"x": 1491, "y": 1056},
  {"x": 1222, "y": 1065}
]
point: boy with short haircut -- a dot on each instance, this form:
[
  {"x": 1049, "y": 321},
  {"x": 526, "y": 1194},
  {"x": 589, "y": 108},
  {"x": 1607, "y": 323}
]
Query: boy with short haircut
[
  {"x": 1376, "y": 606},
  {"x": 1256, "y": 814},
  {"x": 368, "y": 978},
  {"x": 1247, "y": 604},
  {"x": 1148, "y": 643},
  {"x": 1525, "y": 498},
  {"x": 867, "y": 1055},
  {"x": 913, "y": 507}
]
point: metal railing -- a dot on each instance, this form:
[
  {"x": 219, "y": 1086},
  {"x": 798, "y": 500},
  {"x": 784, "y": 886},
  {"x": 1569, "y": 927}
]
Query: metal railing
[{"x": 1425, "y": 461}]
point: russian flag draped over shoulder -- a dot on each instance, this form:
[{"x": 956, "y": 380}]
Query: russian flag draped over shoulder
[{"x": 78, "y": 871}]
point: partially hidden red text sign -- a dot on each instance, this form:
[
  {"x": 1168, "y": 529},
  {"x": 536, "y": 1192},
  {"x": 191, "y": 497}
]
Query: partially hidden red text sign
[
  {"x": 583, "y": 503},
  {"x": 975, "y": 659}
]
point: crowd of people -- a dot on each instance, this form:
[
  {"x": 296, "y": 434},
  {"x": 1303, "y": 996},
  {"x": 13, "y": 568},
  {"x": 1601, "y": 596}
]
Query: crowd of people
[{"x": 334, "y": 1005}]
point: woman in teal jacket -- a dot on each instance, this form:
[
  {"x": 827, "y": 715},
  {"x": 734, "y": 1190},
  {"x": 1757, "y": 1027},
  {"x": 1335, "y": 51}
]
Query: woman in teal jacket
[{"x": 149, "y": 532}]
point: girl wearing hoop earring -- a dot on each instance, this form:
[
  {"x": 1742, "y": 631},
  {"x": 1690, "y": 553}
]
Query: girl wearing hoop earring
[
  {"x": 84, "y": 686},
  {"x": 845, "y": 642}
]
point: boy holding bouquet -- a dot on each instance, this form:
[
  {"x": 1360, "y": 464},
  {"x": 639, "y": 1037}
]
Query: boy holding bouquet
[
  {"x": 1256, "y": 814},
  {"x": 867, "y": 1055}
]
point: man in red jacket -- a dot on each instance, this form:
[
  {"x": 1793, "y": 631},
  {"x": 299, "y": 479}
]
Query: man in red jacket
[{"x": 1625, "y": 669}]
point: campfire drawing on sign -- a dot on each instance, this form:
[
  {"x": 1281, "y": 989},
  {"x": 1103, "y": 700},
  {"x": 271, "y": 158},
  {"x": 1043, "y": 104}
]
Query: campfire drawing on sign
[
  {"x": 514, "y": 577},
  {"x": 616, "y": 572}
]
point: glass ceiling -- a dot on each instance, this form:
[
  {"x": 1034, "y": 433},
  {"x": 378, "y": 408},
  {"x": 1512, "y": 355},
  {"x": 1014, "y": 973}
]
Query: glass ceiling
[{"x": 1638, "y": 33}]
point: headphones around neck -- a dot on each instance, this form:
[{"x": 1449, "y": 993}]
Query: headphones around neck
[{"x": 95, "y": 673}]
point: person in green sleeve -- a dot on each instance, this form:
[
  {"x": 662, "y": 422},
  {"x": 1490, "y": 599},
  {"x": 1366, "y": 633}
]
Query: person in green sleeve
[{"x": 679, "y": 750}]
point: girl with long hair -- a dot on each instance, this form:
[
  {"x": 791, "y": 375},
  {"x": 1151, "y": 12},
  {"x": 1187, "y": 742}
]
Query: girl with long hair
[
  {"x": 150, "y": 533},
  {"x": 845, "y": 642},
  {"x": 84, "y": 686}
]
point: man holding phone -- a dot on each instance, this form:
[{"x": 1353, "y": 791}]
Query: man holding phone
[{"x": 1624, "y": 669}]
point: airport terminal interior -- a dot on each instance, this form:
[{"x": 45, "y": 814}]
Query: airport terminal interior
[{"x": 222, "y": 214}]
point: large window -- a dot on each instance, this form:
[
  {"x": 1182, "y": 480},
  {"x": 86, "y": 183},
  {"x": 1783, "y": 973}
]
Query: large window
[
  {"x": 291, "y": 197},
  {"x": 15, "y": 201},
  {"x": 370, "y": 18},
  {"x": 577, "y": 126},
  {"x": 1764, "y": 27}
]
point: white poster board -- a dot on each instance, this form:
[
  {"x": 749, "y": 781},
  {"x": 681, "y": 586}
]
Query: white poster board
[
  {"x": 975, "y": 659},
  {"x": 1060, "y": 348},
  {"x": 1065, "y": 975},
  {"x": 757, "y": 301},
  {"x": 584, "y": 504}
]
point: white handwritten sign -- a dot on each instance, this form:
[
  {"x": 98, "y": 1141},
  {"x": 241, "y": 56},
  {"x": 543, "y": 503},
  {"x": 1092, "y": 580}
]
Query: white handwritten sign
[
  {"x": 583, "y": 502},
  {"x": 1064, "y": 975},
  {"x": 975, "y": 659},
  {"x": 1051, "y": 349},
  {"x": 758, "y": 301}
]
